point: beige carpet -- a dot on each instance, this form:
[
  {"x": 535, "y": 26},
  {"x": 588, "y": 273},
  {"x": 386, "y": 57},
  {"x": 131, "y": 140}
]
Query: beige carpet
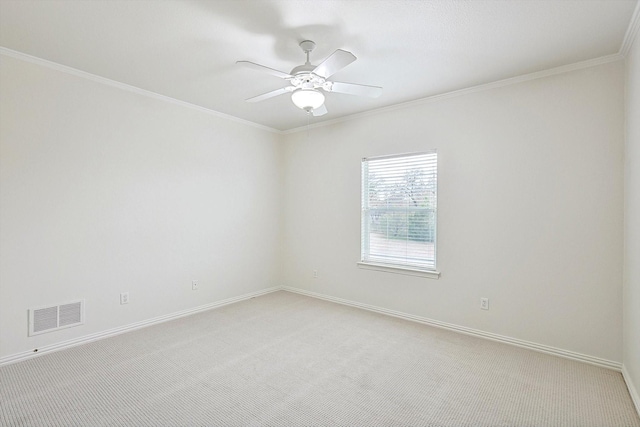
[{"x": 288, "y": 360}]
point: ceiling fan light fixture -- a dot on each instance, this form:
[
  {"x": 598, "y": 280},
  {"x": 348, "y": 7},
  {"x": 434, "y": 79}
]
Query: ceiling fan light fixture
[{"x": 306, "y": 99}]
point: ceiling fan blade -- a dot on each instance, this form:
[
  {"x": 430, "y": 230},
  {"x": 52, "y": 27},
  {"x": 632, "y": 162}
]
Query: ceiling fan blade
[
  {"x": 334, "y": 63},
  {"x": 354, "y": 89},
  {"x": 271, "y": 94},
  {"x": 259, "y": 67},
  {"x": 320, "y": 111}
]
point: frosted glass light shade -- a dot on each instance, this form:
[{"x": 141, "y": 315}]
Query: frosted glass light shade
[{"x": 307, "y": 98}]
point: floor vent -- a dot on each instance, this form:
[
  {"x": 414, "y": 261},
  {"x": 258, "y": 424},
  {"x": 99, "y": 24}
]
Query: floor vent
[{"x": 52, "y": 318}]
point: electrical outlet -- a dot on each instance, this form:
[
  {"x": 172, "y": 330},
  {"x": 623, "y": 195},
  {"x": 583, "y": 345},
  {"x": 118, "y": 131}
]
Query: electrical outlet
[
  {"x": 124, "y": 298},
  {"x": 194, "y": 285},
  {"x": 315, "y": 274},
  {"x": 484, "y": 303}
]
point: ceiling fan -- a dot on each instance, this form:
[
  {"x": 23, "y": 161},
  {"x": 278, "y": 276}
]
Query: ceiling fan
[{"x": 307, "y": 82}]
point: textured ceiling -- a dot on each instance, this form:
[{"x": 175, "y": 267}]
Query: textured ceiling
[{"x": 187, "y": 49}]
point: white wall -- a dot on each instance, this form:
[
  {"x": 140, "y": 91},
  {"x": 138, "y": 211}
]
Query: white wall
[
  {"x": 530, "y": 209},
  {"x": 104, "y": 191},
  {"x": 631, "y": 357}
]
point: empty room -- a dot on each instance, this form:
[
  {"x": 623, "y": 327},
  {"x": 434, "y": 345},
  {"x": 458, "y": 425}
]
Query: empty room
[{"x": 320, "y": 213}]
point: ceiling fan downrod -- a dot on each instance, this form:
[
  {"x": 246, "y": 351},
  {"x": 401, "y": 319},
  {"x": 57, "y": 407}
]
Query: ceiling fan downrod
[{"x": 307, "y": 47}]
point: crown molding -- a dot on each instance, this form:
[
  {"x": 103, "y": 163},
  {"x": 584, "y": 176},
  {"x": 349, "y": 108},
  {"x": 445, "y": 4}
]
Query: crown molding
[
  {"x": 466, "y": 91},
  {"x": 632, "y": 30},
  {"x": 128, "y": 88},
  {"x": 434, "y": 98}
]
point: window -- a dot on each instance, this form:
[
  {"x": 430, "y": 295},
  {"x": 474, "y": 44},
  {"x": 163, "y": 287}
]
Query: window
[{"x": 399, "y": 205}]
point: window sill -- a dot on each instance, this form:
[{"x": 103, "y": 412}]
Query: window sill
[{"x": 432, "y": 274}]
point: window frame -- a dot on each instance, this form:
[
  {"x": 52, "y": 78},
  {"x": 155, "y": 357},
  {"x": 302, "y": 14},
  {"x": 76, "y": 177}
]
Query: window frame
[{"x": 406, "y": 269}]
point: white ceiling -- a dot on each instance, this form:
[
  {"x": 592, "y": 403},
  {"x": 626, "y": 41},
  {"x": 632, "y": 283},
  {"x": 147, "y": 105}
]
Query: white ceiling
[{"x": 187, "y": 49}]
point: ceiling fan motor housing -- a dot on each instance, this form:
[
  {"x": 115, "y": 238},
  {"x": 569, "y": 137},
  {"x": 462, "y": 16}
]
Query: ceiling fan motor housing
[
  {"x": 303, "y": 76},
  {"x": 307, "y": 80}
]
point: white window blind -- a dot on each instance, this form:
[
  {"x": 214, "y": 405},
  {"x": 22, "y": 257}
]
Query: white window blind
[{"x": 399, "y": 206}]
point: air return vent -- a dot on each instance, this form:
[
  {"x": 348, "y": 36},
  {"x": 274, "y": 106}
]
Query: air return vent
[{"x": 52, "y": 318}]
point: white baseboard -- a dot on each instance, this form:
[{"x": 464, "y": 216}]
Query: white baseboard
[
  {"x": 18, "y": 357},
  {"x": 633, "y": 391},
  {"x": 609, "y": 364},
  {"x": 462, "y": 329}
]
